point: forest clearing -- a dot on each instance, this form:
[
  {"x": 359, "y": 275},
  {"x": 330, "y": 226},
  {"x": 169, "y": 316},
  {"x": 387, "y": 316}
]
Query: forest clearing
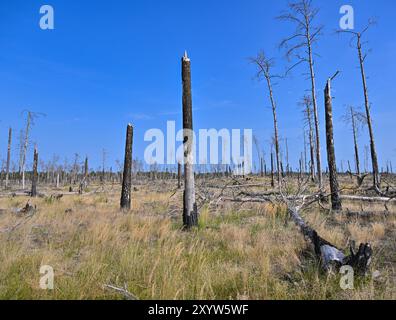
[{"x": 239, "y": 250}]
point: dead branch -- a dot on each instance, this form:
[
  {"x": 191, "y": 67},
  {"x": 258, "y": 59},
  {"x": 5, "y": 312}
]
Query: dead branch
[{"x": 123, "y": 291}]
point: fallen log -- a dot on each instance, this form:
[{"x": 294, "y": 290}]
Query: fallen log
[{"x": 330, "y": 256}]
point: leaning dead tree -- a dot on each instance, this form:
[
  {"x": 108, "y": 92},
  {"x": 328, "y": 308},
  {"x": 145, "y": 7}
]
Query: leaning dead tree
[
  {"x": 127, "y": 176},
  {"x": 357, "y": 36},
  {"x": 8, "y": 158},
  {"x": 264, "y": 66},
  {"x": 35, "y": 174},
  {"x": 334, "y": 186},
  {"x": 190, "y": 210},
  {"x": 299, "y": 46}
]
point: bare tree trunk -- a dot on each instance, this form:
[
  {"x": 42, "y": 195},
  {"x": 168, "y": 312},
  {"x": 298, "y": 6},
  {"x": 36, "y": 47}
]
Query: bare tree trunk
[
  {"x": 262, "y": 167},
  {"x": 35, "y": 173},
  {"x": 25, "y": 146},
  {"x": 179, "y": 175},
  {"x": 190, "y": 211},
  {"x": 276, "y": 134},
  {"x": 334, "y": 187},
  {"x": 8, "y": 158},
  {"x": 86, "y": 168},
  {"x": 272, "y": 171},
  {"x": 315, "y": 109},
  {"x": 127, "y": 176},
  {"x": 355, "y": 141},
  {"x": 374, "y": 158},
  {"x": 311, "y": 144}
]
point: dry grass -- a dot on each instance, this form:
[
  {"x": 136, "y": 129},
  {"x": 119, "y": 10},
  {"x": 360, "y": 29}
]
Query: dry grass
[{"x": 238, "y": 252}]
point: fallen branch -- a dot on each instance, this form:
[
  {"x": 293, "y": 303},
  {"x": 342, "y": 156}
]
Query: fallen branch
[{"x": 123, "y": 291}]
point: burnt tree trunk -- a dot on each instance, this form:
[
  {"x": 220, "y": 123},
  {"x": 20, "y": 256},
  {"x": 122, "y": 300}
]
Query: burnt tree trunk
[
  {"x": 355, "y": 141},
  {"x": 35, "y": 173},
  {"x": 8, "y": 158},
  {"x": 190, "y": 211},
  {"x": 86, "y": 168},
  {"x": 127, "y": 176},
  {"x": 179, "y": 175},
  {"x": 334, "y": 187}
]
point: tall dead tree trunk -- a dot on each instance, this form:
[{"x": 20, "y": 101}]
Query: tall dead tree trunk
[
  {"x": 303, "y": 14},
  {"x": 190, "y": 210},
  {"x": 334, "y": 186},
  {"x": 35, "y": 173},
  {"x": 8, "y": 158},
  {"x": 127, "y": 176},
  {"x": 374, "y": 158},
  {"x": 362, "y": 57},
  {"x": 86, "y": 168},
  {"x": 307, "y": 104},
  {"x": 264, "y": 69},
  {"x": 355, "y": 141},
  {"x": 25, "y": 146},
  {"x": 316, "y": 116}
]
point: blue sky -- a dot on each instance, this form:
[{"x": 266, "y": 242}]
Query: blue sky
[{"x": 110, "y": 63}]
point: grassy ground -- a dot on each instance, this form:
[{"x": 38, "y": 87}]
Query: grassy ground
[{"x": 248, "y": 251}]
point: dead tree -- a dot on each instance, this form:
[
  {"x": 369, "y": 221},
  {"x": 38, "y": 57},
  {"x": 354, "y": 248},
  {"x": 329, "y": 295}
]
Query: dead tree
[
  {"x": 29, "y": 123},
  {"x": 25, "y": 146},
  {"x": 307, "y": 105},
  {"x": 272, "y": 170},
  {"x": 179, "y": 175},
  {"x": 127, "y": 176},
  {"x": 35, "y": 173},
  {"x": 264, "y": 66},
  {"x": 84, "y": 181},
  {"x": 190, "y": 210},
  {"x": 303, "y": 14},
  {"x": 8, "y": 158},
  {"x": 357, "y": 36},
  {"x": 356, "y": 119},
  {"x": 334, "y": 186},
  {"x": 86, "y": 169}
]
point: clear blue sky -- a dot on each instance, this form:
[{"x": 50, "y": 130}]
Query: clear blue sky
[{"x": 108, "y": 63}]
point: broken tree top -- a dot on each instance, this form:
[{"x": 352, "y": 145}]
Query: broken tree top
[{"x": 185, "y": 57}]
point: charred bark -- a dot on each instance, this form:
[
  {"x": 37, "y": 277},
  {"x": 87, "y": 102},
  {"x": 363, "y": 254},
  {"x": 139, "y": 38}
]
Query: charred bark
[
  {"x": 127, "y": 176},
  {"x": 334, "y": 186},
  {"x": 190, "y": 210},
  {"x": 35, "y": 173}
]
